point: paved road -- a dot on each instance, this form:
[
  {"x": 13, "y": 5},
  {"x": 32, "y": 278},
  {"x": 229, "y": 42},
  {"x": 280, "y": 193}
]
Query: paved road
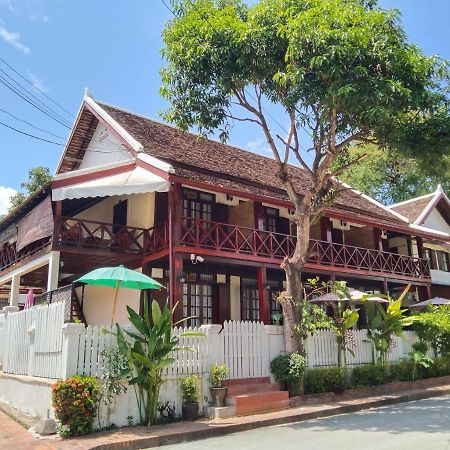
[{"x": 421, "y": 425}]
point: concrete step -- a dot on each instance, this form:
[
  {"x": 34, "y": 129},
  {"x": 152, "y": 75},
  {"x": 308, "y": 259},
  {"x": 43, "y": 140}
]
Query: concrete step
[
  {"x": 258, "y": 402},
  {"x": 240, "y": 389},
  {"x": 246, "y": 381}
]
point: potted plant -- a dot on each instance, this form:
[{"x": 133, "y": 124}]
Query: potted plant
[
  {"x": 189, "y": 390},
  {"x": 217, "y": 374}
]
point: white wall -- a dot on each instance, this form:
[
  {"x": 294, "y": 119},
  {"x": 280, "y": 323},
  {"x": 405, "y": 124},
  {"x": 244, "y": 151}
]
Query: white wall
[
  {"x": 31, "y": 395},
  {"x": 99, "y": 300},
  {"x": 104, "y": 148},
  {"x": 440, "y": 277},
  {"x": 437, "y": 222}
]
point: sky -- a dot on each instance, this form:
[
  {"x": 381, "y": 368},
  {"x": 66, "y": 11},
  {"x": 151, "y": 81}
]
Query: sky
[{"x": 113, "y": 48}]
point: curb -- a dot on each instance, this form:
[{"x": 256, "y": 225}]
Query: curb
[{"x": 178, "y": 437}]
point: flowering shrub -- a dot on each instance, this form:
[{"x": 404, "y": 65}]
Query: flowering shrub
[{"x": 75, "y": 401}]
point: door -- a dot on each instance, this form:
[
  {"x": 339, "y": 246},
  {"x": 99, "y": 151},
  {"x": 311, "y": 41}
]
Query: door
[
  {"x": 198, "y": 303},
  {"x": 120, "y": 215}
]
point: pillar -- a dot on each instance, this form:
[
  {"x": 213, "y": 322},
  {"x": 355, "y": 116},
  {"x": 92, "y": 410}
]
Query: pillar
[
  {"x": 419, "y": 242},
  {"x": 175, "y": 261},
  {"x": 53, "y": 271},
  {"x": 14, "y": 292},
  {"x": 70, "y": 348},
  {"x": 378, "y": 241},
  {"x": 263, "y": 293}
]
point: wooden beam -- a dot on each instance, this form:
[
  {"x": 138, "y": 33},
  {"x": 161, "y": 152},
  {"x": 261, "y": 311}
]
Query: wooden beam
[{"x": 263, "y": 293}]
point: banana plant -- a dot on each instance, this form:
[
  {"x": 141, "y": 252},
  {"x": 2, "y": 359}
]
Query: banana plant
[
  {"x": 148, "y": 347},
  {"x": 384, "y": 325}
]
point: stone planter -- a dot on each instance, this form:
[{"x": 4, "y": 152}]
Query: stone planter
[
  {"x": 190, "y": 411},
  {"x": 218, "y": 395}
]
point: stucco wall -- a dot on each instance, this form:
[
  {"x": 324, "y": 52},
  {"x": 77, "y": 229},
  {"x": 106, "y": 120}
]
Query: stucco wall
[
  {"x": 99, "y": 300},
  {"x": 140, "y": 212},
  {"x": 103, "y": 149},
  {"x": 437, "y": 222},
  {"x": 235, "y": 298}
]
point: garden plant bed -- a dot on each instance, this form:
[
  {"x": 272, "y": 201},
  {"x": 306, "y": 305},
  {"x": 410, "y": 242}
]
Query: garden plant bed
[{"x": 354, "y": 393}]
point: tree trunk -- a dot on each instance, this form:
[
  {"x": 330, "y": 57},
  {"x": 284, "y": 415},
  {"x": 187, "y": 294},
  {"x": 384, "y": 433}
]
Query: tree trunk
[{"x": 293, "y": 267}]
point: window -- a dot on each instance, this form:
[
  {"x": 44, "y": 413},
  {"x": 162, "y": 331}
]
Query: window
[
  {"x": 430, "y": 255},
  {"x": 270, "y": 219},
  {"x": 446, "y": 257},
  {"x": 249, "y": 299},
  {"x": 197, "y": 302},
  {"x": 443, "y": 261}
]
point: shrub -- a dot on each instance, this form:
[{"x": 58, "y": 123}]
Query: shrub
[
  {"x": 326, "y": 379},
  {"x": 288, "y": 368},
  {"x": 405, "y": 370},
  {"x": 217, "y": 374},
  {"x": 439, "y": 368},
  {"x": 189, "y": 389},
  {"x": 75, "y": 401},
  {"x": 367, "y": 375}
]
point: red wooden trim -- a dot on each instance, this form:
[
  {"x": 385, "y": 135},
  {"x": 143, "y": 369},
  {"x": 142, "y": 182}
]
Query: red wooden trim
[
  {"x": 157, "y": 255},
  {"x": 92, "y": 175},
  {"x": 111, "y": 128},
  {"x": 287, "y": 204},
  {"x": 145, "y": 165},
  {"x": 263, "y": 294}
]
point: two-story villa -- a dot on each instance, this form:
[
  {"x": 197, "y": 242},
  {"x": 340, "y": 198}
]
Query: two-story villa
[
  {"x": 432, "y": 211},
  {"x": 206, "y": 219}
]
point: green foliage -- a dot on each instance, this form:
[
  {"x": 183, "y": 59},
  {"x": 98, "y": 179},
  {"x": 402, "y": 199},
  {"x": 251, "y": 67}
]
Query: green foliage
[
  {"x": 390, "y": 177},
  {"x": 384, "y": 325},
  {"x": 38, "y": 177},
  {"x": 75, "y": 403},
  {"x": 326, "y": 379},
  {"x": 114, "y": 364},
  {"x": 147, "y": 349},
  {"x": 367, "y": 375},
  {"x": 189, "y": 389},
  {"x": 288, "y": 368},
  {"x": 310, "y": 56},
  {"x": 217, "y": 374},
  {"x": 433, "y": 327}
]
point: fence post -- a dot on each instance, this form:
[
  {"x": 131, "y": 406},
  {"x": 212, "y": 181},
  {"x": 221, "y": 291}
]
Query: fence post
[
  {"x": 276, "y": 340},
  {"x": 215, "y": 344},
  {"x": 71, "y": 340}
]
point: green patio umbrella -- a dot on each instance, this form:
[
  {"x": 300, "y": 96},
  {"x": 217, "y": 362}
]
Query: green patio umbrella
[{"x": 117, "y": 277}]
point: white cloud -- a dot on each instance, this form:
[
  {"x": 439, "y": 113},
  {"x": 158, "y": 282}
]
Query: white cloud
[
  {"x": 12, "y": 38},
  {"x": 8, "y": 4},
  {"x": 5, "y": 193},
  {"x": 258, "y": 145},
  {"x": 38, "y": 82}
]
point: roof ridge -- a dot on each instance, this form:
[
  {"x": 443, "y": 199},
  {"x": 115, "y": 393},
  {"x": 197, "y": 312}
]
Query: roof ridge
[{"x": 160, "y": 122}]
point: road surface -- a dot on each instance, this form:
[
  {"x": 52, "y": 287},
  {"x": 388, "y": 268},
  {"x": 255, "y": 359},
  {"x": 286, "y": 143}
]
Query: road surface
[{"x": 421, "y": 425}]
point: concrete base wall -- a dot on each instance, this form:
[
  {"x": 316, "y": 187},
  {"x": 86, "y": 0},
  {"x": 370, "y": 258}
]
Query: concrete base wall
[{"x": 32, "y": 396}]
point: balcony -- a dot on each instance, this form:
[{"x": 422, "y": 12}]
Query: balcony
[
  {"x": 273, "y": 247},
  {"x": 81, "y": 233},
  {"x": 217, "y": 239}
]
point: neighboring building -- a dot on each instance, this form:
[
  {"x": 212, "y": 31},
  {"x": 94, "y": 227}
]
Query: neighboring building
[
  {"x": 208, "y": 220},
  {"x": 432, "y": 211}
]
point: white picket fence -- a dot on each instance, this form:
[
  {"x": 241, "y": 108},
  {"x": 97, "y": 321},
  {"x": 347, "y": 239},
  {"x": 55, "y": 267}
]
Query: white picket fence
[
  {"x": 32, "y": 341},
  {"x": 322, "y": 348},
  {"x": 36, "y": 342},
  {"x": 243, "y": 346}
]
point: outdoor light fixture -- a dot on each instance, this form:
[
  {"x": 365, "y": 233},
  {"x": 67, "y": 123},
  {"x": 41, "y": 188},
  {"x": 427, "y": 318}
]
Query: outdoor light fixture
[
  {"x": 196, "y": 258},
  {"x": 182, "y": 278}
]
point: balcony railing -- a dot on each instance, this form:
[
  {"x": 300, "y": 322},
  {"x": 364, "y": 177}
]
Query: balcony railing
[
  {"x": 99, "y": 235},
  {"x": 9, "y": 254},
  {"x": 248, "y": 241}
]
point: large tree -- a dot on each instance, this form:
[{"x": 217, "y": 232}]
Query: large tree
[
  {"x": 390, "y": 176},
  {"x": 38, "y": 177},
  {"x": 340, "y": 71}
]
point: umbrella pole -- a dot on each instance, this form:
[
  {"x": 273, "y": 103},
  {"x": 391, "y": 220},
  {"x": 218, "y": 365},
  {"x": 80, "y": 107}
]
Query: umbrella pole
[{"x": 115, "y": 301}]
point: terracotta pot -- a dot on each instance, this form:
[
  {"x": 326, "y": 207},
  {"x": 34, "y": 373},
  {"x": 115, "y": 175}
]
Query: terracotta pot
[
  {"x": 190, "y": 411},
  {"x": 218, "y": 396}
]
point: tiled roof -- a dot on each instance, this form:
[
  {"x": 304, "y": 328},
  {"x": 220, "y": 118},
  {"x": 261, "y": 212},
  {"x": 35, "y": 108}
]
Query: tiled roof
[
  {"x": 413, "y": 209},
  {"x": 209, "y": 161}
]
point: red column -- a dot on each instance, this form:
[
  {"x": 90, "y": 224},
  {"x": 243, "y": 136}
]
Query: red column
[
  {"x": 175, "y": 261},
  {"x": 419, "y": 242},
  {"x": 378, "y": 241},
  {"x": 264, "y": 306}
]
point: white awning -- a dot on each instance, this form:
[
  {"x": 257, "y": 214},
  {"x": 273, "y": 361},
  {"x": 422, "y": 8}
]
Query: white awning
[{"x": 133, "y": 181}]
